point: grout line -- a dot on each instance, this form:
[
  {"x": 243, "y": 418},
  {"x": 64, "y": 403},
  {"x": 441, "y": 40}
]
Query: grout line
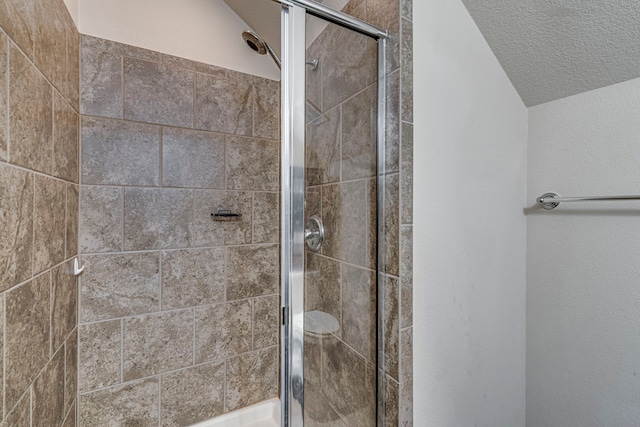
[
  {"x": 122, "y": 350},
  {"x": 30, "y": 404},
  {"x": 123, "y": 206},
  {"x": 252, "y": 303},
  {"x": 122, "y": 57},
  {"x": 254, "y": 106},
  {"x": 159, "y": 401},
  {"x": 160, "y": 278},
  {"x": 4, "y": 354},
  {"x": 53, "y": 131},
  {"x": 151, "y": 251},
  {"x": 173, "y": 310},
  {"x": 226, "y": 274},
  {"x": 173, "y": 371},
  {"x": 66, "y": 218},
  {"x": 50, "y": 315},
  {"x": 64, "y": 378},
  {"x": 157, "y": 187},
  {"x": 7, "y": 101},
  {"x": 351, "y": 181},
  {"x": 44, "y": 175},
  {"x": 160, "y": 157},
  {"x": 193, "y": 358},
  {"x": 33, "y": 227},
  {"x": 224, "y": 388},
  {"x": 195, "y": 97},
  {"x": 168, "y": 125}
]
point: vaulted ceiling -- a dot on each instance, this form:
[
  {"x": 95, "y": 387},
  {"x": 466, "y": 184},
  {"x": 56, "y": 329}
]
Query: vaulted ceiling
[{"x": 552, "y": 49}]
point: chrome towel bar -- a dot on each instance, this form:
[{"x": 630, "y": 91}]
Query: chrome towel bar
[{"x": 552, "y": 200}]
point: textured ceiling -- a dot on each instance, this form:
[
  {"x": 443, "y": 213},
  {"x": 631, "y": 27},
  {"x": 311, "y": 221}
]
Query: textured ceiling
[{"x": 551, "y": 49}]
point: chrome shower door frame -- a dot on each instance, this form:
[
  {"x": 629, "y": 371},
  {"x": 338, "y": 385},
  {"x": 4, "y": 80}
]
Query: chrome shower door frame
[{"x": 293, "y": 27}]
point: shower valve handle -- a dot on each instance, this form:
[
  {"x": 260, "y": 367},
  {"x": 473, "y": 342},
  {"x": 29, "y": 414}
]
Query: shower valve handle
[{"x": 314, "y": 233}]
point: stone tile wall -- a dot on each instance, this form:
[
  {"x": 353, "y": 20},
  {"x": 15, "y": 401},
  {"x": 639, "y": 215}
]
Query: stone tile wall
[
  {"x": 341, "y": 167},
  {"x": 179, "y": 314},
  {"x": 39, "y": 66}
]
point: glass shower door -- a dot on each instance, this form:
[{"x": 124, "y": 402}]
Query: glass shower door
[
  {"x": 331, "y": 191},
  {"x": 340, "y": 281}
]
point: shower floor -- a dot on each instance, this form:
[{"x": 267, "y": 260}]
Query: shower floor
[{"x": 263, "y": 414}]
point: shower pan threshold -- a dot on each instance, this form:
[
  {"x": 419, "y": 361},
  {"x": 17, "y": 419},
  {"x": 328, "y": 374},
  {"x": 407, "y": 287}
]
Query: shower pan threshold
[{"x": 263, "y": 414}]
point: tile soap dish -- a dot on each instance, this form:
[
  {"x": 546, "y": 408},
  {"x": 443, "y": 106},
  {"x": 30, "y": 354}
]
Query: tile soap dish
[{"x": 226, "y": 215}]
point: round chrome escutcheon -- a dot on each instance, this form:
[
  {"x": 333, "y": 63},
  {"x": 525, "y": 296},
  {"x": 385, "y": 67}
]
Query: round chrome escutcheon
[{"x": 314, "y": 233}]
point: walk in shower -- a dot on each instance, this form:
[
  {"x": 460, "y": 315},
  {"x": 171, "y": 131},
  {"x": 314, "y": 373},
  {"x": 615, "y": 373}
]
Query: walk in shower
[{"x": 196, "y": 234}]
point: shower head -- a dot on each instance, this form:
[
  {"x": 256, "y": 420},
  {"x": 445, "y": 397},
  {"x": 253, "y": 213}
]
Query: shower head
[
  {"x": 254, "y": 42},
  {"x": 259, "y": 46}
]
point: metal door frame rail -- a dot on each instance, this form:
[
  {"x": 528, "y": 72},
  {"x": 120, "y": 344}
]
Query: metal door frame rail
[
  {"x": 293, "y": 188},
  {"x": 552, "y": 200}
]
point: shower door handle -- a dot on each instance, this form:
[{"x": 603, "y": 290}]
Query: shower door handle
[{"x": 314, "y": 233}]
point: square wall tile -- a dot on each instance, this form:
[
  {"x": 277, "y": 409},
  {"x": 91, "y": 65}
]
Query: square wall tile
[
  {"x": 392, "y": 225},
  {"x": 71, "y": 245},
  {"x": 2, "y": 350},
  {"x": 72, "y": 93},
  {"x": 49, "y": 223},
  {"x": 30, "y": 115},
  {"x": 406, "y": 175},
  {"x": 406, "y": 378},
  {"x": 100, "y": 346},
  {"x": 266, "y": 217},
  {"x": 392, "y": 125},
  {"x": 324, "y": 138},
  {"x": 391, "y": 326},
  {"x": 224, "y": 105},
  {"x": 192, "y": 159},
  {"x": 64, "y": 304},
  {"x": 407, "y": 71},
  {"x": 48, "y": 394},
  {"x": 349, "y": 64},
  {"x": 132, "y": 404},
  {"x": 266, "y": 321},
  {"x": 344, "y": 382},
  {"x": 122, "y": 49},
  {"x": 359, "y": 310},
  {"x": 101, "y": 84},
  {"x": 359, "y": 135},
  {"x": 66, "y": 125},
  {"x": 252, "y": 271},
  {"x": 119, "y": 285},
  {"x": 252, "y": 164},
  {"x": 192, "y": 277},
  {"x": 158, "y": 93},
  {"x": 20, "y": 416},
  {"x": 16, "y": 226},
  {"x": 266, "y": 122},
  {"x": 252, "y": 378},
  {"x": 17, "y": 19},
  {"x": 101, "y": 219},
  {"x": 4, "y": 75},
  {"x": 406, "y": 276},
  {"x": 157, "y": 218},
  {"x": 120, "y": 153},
  {"x": 27, "y": 338},
  {"x": 209, "y": 232},
  {"x": 70, "y": 371},
  {"x": 50, "y": 43},
  {"x": 347, "y": 215},
  {"x": 322, "y": 285},
  {"x": 192, "y": 395},
  {"x": 157, "y": 343},
  {"x": 222, "y": 330}
]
